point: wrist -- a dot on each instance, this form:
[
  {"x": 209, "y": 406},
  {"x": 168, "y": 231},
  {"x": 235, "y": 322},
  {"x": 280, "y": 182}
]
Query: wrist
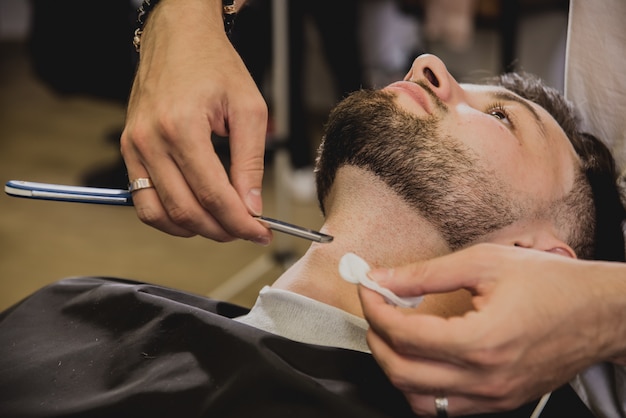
[
  {"x": 610, "y": 284},
  {"x": 228, "y": 12}
]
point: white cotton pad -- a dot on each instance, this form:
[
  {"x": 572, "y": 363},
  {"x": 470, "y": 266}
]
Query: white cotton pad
[{"x": 354, "y": 269}]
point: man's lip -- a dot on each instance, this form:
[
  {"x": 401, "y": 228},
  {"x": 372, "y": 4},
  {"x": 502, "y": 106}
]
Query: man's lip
[{"x": 415, "y": 92}]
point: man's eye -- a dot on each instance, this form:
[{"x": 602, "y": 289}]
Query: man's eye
[
  {"x": 501, "y": 114},
  {"x": 498, "y": 114}
]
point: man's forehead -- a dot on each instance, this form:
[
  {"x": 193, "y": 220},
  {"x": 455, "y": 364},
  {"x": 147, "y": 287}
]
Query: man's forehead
[{"x": 494, "y": 90}]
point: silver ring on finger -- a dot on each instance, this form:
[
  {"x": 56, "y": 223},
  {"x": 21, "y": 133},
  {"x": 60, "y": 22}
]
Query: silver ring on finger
[
  {"x": 140, "y": 183},
  {"x": 441, "y": 406}
]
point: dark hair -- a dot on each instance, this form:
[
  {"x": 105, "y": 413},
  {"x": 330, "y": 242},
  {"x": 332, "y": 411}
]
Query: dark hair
[{"x": 604, "y": 215}]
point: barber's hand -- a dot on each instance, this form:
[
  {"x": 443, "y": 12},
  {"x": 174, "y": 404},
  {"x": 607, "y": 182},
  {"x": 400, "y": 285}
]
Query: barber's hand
[
  {"x": 539, "y": 319},
  {"x": 191, "y": 82}
]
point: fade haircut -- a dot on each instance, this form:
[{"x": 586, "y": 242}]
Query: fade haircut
[{"x": 591, "y": 214}]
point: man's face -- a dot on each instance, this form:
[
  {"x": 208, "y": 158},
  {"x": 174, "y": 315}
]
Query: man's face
[
  {"x": 472, "y": 159},
  {"x": 515, "y": 137}
]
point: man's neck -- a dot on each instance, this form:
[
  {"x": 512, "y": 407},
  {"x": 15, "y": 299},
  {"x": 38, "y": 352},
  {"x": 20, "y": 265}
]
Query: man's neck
[{"x": 371, "y": 221}]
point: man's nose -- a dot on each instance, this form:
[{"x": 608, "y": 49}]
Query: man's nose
[{"x": 431, "y": 70}]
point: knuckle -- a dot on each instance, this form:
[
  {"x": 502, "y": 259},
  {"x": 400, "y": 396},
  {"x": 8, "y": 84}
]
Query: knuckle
[
  {"x": 259, "y": 107},
  {"x": 135, "y": 138},
  {"x": 255, "y": 109},
  {"x": 262, "y": 112},
  {"x": 150, "y": 216},
  {"x": 167, "y": 126},
  {"x": 140, "y": 134},
  {"x": 485, "y": 358},
  {"x": 488, "y": 352},
  {"x": 126, "y": 142},
  {"x": 187, "y": 219},
  {"x": 180, "y": 215},
  {"x": 161, "y": 222},
  {"x": 210, "y": 199}
]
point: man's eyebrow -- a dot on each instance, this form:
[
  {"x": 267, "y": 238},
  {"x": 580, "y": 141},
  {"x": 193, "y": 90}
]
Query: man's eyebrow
[{"x": 508, "y": 96}]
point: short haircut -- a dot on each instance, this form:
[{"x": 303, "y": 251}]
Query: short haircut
[
  {"x": 595, "y": 198},
  {"x": 590, "y": 215}
]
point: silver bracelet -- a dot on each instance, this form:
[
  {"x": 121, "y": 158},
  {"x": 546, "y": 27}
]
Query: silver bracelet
[{"x": 229, "y": 12}]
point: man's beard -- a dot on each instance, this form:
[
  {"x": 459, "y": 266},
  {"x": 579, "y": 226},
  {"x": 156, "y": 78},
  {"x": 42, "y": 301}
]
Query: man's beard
[{"x": 437, "y": 175}]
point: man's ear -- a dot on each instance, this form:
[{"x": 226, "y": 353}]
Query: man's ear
[
  {"x": 565, "y": 250},
  {"x": 545, "y": 241}
]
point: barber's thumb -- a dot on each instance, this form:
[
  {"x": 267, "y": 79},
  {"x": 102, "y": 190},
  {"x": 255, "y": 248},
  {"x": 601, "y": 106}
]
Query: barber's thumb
[
  {"x": 254, "y": 201},
  {"x": 402, "y": 280},
  {"x": 247, "y": 165},
  {"x": 248, "y": 186}
]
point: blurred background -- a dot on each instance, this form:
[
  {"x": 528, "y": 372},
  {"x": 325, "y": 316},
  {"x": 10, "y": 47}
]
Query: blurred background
[{"x": 65, "y": 72}]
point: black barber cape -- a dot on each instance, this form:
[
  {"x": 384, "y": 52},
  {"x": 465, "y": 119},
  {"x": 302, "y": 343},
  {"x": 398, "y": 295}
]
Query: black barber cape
[{"x": 97, "y": 347}]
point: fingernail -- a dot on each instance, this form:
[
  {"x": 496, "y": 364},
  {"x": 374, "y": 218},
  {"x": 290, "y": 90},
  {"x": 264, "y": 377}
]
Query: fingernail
[
  {"x": 380, "y": 276},
  {"x": 254, "y": 201},
  {"x": 263, "y": 241}
]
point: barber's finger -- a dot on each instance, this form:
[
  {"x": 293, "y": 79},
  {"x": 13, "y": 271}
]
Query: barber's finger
[
  {"x": 150, "y": 211},
  {"x": 183, "y": 208},
  {"x": 411, "y": 373},
  {"x": 422, "y": 379},
  {"x": 460, "y": 270},
  {"x": 170, "y": 206},
  {"x": 395, "y": 328},
  {"x": 468, "y": 403},
  {"x": 207, "y": 179},
  {"x": 431, "y": 372},
  {"x": 147, "y": 203},
  {"x": 411, "y": 333},
  {"x": 423, "y": 405},
  {"x": 475, "y": 388}
]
